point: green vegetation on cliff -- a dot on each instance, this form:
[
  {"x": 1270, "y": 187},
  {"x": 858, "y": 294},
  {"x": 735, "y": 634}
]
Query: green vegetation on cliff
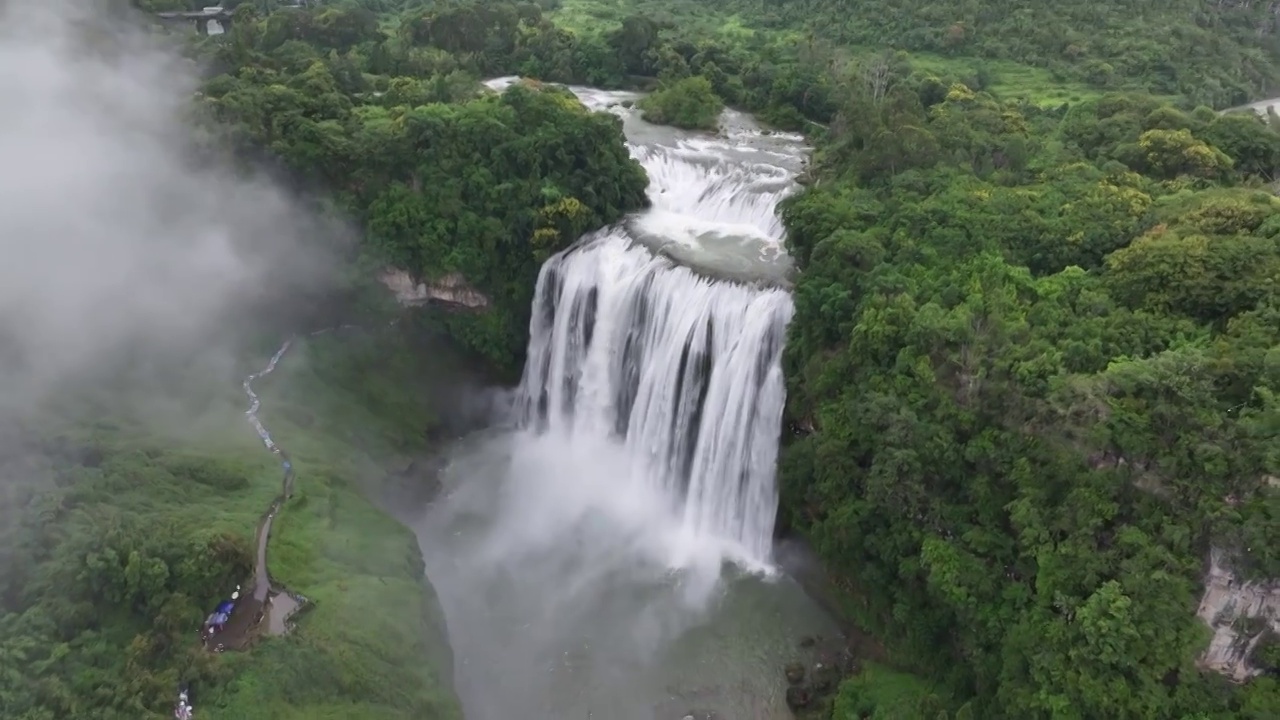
[
  {"x": 443, "y": 179},
  {"x": 1034, "y": 364},
  {"x": 1034, "y": 360}
]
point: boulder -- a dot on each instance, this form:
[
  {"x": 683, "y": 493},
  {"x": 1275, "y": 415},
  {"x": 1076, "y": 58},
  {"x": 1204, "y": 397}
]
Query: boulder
[{"x": 799, "y": 697}]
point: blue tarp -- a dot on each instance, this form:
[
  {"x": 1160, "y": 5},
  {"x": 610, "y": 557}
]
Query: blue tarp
[{"x": 226, "y": 607}]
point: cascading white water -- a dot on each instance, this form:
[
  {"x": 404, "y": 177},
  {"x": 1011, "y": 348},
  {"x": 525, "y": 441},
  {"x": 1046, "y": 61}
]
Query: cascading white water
[
  {"x": 683, "y": 370},
  {"x": 679, "y": 367},
  {"x": 693, "y": 183},
  {"x": 581, "y": 558}
]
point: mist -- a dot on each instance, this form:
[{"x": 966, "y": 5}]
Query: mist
[{"x": 117, "y": 243}]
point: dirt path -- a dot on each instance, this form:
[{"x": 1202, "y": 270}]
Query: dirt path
[
  {"x": 246, "y": 620},
  {"x": 261, "y": 578}
]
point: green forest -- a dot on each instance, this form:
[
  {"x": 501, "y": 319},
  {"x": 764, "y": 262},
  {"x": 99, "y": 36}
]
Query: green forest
[{"x": 1033, "y": 376}]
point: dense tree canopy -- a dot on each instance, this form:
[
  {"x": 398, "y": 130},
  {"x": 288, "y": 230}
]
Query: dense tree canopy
[
  {"x": 1215, "y": 53},
  {"x": 1034, "y": 371},
  {"x": 100, "y": 598}
]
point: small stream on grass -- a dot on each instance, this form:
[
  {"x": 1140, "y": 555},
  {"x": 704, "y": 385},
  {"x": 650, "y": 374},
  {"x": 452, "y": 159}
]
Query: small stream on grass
[{"x": 608, "y": 553}]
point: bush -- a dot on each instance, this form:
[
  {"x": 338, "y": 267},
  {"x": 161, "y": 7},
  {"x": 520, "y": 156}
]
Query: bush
[{"x": 690, "y": 103}]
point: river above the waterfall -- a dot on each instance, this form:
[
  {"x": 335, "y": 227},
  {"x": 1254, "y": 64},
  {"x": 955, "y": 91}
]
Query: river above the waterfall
[
  {"x": 720, "y": 222},
  {"x": 606, "y": 551}
]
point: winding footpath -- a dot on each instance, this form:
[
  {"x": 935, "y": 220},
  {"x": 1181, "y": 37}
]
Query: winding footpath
[
  {"x": 262, "y": 578},
  {"x": 273, "y": 604},
  {"x": 268, "y": 602}
]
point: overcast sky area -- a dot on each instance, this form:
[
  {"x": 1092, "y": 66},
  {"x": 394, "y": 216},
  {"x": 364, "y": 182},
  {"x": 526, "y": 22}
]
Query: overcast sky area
[{"x": 110, "y": 238}]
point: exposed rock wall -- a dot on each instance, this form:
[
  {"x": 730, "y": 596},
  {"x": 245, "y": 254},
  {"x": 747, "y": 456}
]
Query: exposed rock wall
[
  {"x": 1240, "y": 615},
  {"x": 451, "y": 289}
]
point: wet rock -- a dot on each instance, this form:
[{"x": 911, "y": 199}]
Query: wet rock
[
  {"x": 825, "y": 678},
  {"x": 836, "y": 655},
  {"x": 799, "y": 697},
  {"x": 795, "y": 673}
]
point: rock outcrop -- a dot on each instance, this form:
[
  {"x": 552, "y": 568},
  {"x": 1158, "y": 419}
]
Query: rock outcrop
[
  {"x": 1241, "y": 615},
  {"x": 449, "y": 289},
  {"x": 812, "y": 686}
]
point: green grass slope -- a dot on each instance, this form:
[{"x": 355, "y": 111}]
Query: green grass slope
[
  {"x": 351, "y": 408},
  {"x": 120, "y": 534}
]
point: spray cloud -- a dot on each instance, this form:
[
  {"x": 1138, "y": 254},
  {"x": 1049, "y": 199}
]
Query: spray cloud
[{"x": 113, "y": 239}]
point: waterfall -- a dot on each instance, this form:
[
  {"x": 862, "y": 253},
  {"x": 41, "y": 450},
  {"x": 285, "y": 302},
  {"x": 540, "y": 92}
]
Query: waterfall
[
  {"x": 683, "y": 370},
  {"x": 638, "y": 339}
]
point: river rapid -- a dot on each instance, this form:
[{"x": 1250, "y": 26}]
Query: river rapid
[{"x": 608, "y": 551}]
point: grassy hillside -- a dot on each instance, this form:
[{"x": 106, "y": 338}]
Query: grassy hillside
[{"x": 132, "y": 529}]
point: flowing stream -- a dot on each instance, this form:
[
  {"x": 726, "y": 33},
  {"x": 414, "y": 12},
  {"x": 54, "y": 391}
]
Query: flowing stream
[{"x": 610, "y": 554}]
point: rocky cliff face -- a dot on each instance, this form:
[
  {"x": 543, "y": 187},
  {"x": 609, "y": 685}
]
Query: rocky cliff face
[
  {"x": 450, "y": 289},
  {"x": 1240, "y": 614}
]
